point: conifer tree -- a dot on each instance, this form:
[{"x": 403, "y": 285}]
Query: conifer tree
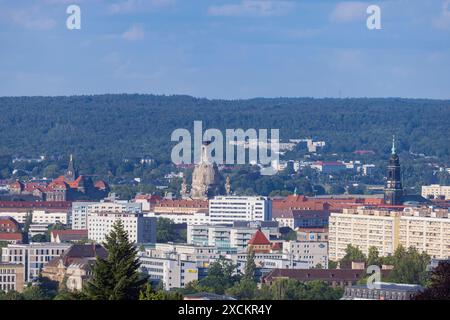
[
  {"x": 117, "y": 276},
  {"x": 250, "y": 266}
]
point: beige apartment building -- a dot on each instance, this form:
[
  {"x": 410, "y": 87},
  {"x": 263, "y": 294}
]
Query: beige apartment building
[
  {"x": 11, "y": 277},
  {"x": 426, "y": 229},
  {"x": 436, "y": 191}
]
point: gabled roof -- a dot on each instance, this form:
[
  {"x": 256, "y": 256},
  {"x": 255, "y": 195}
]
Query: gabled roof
[{"x": 259, "y": 239}]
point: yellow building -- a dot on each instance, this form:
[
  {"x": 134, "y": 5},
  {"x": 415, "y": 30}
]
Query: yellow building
[
  {"x": 11, "y": 277},
  {"x": 424, "y": 228}
]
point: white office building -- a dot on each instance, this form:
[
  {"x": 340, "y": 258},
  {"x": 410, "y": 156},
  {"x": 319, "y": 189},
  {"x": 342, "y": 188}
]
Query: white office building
[
  {"x": 198, "y": 218},
  {"x": 169, "y": 268},
  {"x": 227, "y": 209},
  {"x": 40, "y": 216},
  {"x": 79, "y": 215},
  {"x": 313, "y": 253},
  {"x": 235, "y": 236},
  {"x": 32, "y": 256},
  {"x": 102, "y": 216}
]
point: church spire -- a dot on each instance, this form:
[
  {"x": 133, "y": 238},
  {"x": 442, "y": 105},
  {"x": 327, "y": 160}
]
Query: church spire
[
  {"x": 71, "y": 173},
  {"x": 393, "y": 145}
]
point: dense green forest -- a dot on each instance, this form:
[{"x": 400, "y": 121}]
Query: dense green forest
[
  {"x": 135, "y": 125},
  {"x": 104, "y": 130}
]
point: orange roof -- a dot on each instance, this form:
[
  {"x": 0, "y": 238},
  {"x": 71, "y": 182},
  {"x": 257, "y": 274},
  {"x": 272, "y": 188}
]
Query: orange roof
[
  {"x": 11, "y": 236},
  {"x": 76, "y": 182},
  {"x": 259, "y": 239},
  {"x": 100, "y": 184},
  {"x": 71, "y": 232}
]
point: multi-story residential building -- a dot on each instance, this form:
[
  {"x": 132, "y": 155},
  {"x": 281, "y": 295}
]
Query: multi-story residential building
[
  {"x": 363, "y": 228},
  {"x": 312, "y": 234},
  {"x": 32, "y": 256},
  {"x": 235, "y": 236},
  {"x": 79, "y": 215},
  {"x": 227, "y": 209},
  {"x": 103, "y": 215},
  {"x": 427, "y": 229},
  {"x": 436, "y": 191},
  {"x": 41, "y": 211},
  {"x": 314, "y": 253},
  {"x": 180, "y": 206},
  {"x": 11, "y": 277},
  {"x": 198, "y": 218}
]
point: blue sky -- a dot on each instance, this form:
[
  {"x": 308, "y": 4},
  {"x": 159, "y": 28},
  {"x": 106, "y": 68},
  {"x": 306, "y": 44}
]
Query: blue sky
[{"x": 226, "y": 48}]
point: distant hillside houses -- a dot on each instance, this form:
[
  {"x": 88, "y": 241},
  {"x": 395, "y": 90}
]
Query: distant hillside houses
[{"x": 67, "y": 187}]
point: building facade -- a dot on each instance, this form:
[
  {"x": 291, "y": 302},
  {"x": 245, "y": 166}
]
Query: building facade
[
  {"x": 425, "y": 228},
  {"x": 102, "y": 216},
  {"x": 32, "y": 256},
  {"x": 79, "y": 215},
  {"x": 11, "y": 277},
  {"x": 436, "y": 191},
  {"x": 227, "y": 209}
]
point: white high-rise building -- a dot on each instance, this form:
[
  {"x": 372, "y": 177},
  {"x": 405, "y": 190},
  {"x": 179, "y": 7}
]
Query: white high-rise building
[
  {"x": 103, "y": 215},
  {"x": 227, "y": 209},
  {"x": 79, "y": 215}
]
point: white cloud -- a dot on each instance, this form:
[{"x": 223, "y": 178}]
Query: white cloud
[
  {"x": 134, "y": 33},
  {"x": 349, "y": 11},
  {"x": 128, "y": 6},
  {"x": 31, "y": 19},
  {"x": 443, "y": 21},
  {"x": 252, "y": 8}
]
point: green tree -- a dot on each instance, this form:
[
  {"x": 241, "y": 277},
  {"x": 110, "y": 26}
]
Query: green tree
[
  {"x": 250, "y": 266},
  {"x": 221, "y": 276},
  {"x": 40, "y": 237},
  {"x": 439, "y": 284},
  {"x": 352, "y": 254},
  {"x": 410, "y": 266},
  {"x": 332, "y": 264},
  {"x": 117, "y": 276},
  {"x": 165, "y": 231},
  {"x": 160, "y": 294},
  {"x": 290, "y": 236},
  {"x": 373, "y": 257},
  {"x": 34, "y": 292},
  {"x": 245, "y": 289}
]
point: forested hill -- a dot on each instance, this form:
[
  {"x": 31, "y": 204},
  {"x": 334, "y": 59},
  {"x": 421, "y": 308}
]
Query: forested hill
[{"x": 114, "y": 126}]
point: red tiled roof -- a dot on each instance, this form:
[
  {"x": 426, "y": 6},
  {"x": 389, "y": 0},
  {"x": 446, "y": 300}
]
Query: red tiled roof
[
  {"x": 184, "y": 203},
  {"x": 76, "y": 182},
  {"x": 70, "y": 232},
  {"x": 10, "y": 236},
  {"x": 149, "y": 197},
  {"x": 35, "y": 204},
  {"x": 259, "y": 239},
  {"x": 100, "y": 184}
]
